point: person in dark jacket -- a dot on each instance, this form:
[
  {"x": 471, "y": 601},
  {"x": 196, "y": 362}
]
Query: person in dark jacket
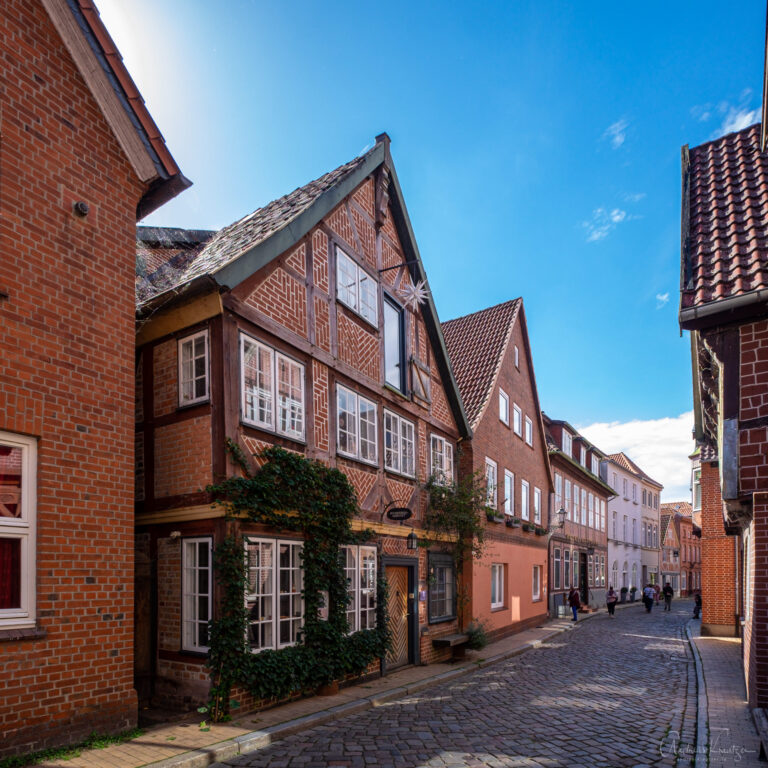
[
  {"x": 697, "y": 604},
  {"x": 574, "y": 602},
  {"x": 668, "y": 592}
]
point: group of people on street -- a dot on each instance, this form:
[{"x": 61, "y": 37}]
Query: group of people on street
[{"x": 651, "y": 595}]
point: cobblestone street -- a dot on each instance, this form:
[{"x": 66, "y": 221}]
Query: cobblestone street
[{"x": 612, "y": 692}]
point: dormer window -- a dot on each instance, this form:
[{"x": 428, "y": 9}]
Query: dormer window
[
  {"x": 583, "y": 456},
  {"x": 356, "y": 288},
  {"x": 567, "y": 444}
]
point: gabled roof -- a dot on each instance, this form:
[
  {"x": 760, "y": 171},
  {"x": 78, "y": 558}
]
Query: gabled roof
[
  {"x": 554, "y": 450},
  {"x": 101, "y": 66},
  {"x": 664, "y": 521},
  {"x": 239, "y": 250},
  {"x": 476, "y": 345},
  {"x": 725, "y": 227},
  {"x": 626, "y": 463},
  {"x": 683, "y": 508}
]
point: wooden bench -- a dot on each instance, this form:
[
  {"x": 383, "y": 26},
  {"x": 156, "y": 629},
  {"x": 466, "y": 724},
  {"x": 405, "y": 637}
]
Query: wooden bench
[{"x": 455, "y": 642}]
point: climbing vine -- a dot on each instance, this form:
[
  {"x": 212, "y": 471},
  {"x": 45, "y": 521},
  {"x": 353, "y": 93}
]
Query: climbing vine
[{"x": 294, "y": 494}]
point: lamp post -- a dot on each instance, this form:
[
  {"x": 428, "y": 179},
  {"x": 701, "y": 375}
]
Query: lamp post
[{"x": 557, "y": 525}]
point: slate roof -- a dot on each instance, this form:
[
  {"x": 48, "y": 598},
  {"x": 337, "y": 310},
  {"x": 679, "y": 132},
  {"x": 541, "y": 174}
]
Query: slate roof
[
  {"x": 476, "y": 344},
  {"x": 226, "y": 245},
  {"x": 725, "y": 253},
  {"x": 626, "y": 463}
]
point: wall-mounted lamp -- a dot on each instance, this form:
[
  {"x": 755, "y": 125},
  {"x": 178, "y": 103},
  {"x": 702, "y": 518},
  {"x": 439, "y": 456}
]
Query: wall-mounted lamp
[
  {"x": 175, "y": 535},
  {"x": 411, "y": 541}
]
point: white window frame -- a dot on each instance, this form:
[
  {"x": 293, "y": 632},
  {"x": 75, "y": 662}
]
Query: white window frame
[
  {"x": 352, "y": 296},
  {"x": 292, "y": 410},
  {"x": 558, "y": 491},
  {"x": 517, "y": 420},
  {"x": 276, "y": 619},
  {"x": 395, "y": 440},
  {"x": 567, "y": 443},
  {"x": 188, "y": 342},
  {"x": 491, "y": 483},
  {"x": 591, "y": 511},
  {"x": 525, "y": 500},
  {"x": 567, "y": 499},
  {"x": 528, "y": 431},
  {"x": 576, "y": 504},
  {"x": 583, "y": 506},
  {"x": 24, "y": 529},
  {"x": 536, "y": 505},
  {"x": 358, "y": 422},
  {"x": 517, "y": 358},
  {"x": 595, "y": 466},
  {"x": 503, "y": 407},
  {"x": 583, "y": 456},
  {"x": 360, "y": 569},
  {"x": 441, "y": 458},
  {"x": 191, "y": 593},
  {"x": 497, "y": 585},
  {"x": 536, "y": 583},
  {"x": 509, "y": 493},
  {"x": 556, "y": 570}
]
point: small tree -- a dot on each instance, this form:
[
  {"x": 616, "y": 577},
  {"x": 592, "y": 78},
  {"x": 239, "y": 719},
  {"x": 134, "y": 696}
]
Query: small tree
[{"x": 455, "y": 524}]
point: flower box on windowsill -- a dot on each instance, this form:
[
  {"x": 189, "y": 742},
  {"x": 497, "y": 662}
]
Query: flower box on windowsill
[
  {"x": 540, "y": 531},
  {"x": 513, "y": 522},
  {"x": 529, "y": 527},
  {"x": 494, "y": 517}
]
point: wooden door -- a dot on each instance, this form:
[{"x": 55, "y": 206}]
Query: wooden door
[
  {"x": 397, "y": 605},
  {"x": 143, "y": 627}
]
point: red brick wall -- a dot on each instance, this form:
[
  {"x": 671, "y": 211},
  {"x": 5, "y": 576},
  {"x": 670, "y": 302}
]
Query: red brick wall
[
  {"x": 718, "y": 567},
  {"x": 753, "y": 441},
  {"x": 183, "y": 457},
  {"x": 755, "y": 608},
  {"x": 67, "y": 378},
  {"x": 517, "y": 549}
]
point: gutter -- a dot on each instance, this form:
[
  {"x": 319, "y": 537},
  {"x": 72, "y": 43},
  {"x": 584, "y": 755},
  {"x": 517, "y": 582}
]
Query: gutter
[{"x": 691, "y": 314}]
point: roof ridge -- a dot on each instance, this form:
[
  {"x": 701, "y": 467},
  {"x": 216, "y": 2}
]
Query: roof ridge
[
  {"x": 740, "y": 132},
  {"x": 481, "y": 311}
]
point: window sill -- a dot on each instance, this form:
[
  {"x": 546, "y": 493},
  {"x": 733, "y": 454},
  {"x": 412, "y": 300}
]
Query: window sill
[
  {"x": 357, "y": 459},
  {"x": 395, "y": 391},
  {"x": 441, "y": 620},
  {"x": 274, "y": 433},
  {"x": 194, "y": 403},
  {"x": 498, "y": 608},
  {"x": 14, "y": 634},
  {"x": 399, "y": 474}
]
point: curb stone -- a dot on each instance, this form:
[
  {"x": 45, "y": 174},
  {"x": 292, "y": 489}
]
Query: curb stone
[
  {"x": 702, "y": 732},
  {"x": 213, "y": 755}
]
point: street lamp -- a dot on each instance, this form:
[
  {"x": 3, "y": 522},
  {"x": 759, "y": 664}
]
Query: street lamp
[
  {"x": 411, "y": 541},
  {"x": 559, "y": 524}
]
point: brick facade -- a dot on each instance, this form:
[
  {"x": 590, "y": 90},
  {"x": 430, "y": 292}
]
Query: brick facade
[
  {"x": 719, "y": 568},
  {"x": 66, "y": 379},
  {"x": 289, "y": 305}
]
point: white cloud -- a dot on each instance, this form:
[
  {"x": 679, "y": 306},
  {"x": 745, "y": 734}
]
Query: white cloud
[
  {"x": 603, "y": 222},
  {"x": 701, "y": 112},
  {"x": 737, "y": 118},
  {"x": 661, "y": 299},
  {"x": 660, "y": 447},
  {"x": 634, "y": 197},
  {"x": 616, "y": 133}
]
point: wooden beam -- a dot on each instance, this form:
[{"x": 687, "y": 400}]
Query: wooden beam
[{"x": 180, "y": 317}]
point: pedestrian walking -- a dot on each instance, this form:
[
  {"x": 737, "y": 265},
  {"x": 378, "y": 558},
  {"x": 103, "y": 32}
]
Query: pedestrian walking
[
  {"x": 668, "y": 592},
  {"x": 610, "y": 601},
  {"x": 574, "y": 602},
  {"x": 697, "y": 604},
  {"x": 657, "y": 591},
  {"x": 649, "y": 594}
]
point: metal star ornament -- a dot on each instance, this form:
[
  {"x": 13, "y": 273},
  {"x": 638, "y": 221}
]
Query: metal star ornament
[{"x": 413, "y": 295}]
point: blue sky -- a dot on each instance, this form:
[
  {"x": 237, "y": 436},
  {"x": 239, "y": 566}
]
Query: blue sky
[{"x": 537, "y": 145}]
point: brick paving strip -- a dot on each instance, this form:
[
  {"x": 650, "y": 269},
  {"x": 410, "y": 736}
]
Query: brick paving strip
[
  {"x": 733, "y": 739},
  {"x": 184, "y": 745}
]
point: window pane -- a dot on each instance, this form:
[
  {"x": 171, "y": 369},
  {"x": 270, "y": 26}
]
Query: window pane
[
  {"x": 393, "y": 345},
  {"x": 290, "y": 393},
  {"x": 391, "y": 442},
  {"x": 368, "y": 298},
  {"x": 368, "y": 447},
  {"x": 10, "y": 573},
  {"x": 346, "y": 279},
  {"x": 10, "y": 482},
  {"x": 257, "y": 383},
  {"x": 347, "y": 425},
  {"x": 407, "y": 448},
  {"x": 259, "y": 598}
]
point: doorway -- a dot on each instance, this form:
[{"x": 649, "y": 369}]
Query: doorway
[
  {"x": 401, "y": 606},
  {"x": 583, "y": 582}
]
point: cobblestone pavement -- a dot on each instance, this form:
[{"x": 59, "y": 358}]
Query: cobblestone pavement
[{"x": 611, "y": 693}]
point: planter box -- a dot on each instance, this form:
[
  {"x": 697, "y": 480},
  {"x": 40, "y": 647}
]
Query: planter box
[
  {"x": 528, "y": 527},
  {"x": 495, "y": 518},
  {"x": 512, "y": 523}
]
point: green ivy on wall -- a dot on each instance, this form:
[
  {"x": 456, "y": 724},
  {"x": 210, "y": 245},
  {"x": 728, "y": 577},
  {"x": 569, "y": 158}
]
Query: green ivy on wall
[{"x": 290, "y": 493}]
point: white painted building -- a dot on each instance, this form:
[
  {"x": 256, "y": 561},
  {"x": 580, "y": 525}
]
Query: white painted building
[{"x": 633, "y": 524}]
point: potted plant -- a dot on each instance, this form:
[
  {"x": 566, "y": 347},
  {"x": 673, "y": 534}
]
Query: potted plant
[
  {"x": 528, "y": 526},
  {"x": 477, "y": 638},
  {"x": 513, "y": 522},
  {"x": 493, "y": 516},
  {"x": 623, "y": 592},
  {"x": 541, "y": 531},
  {"x": 632, "y": 591}
]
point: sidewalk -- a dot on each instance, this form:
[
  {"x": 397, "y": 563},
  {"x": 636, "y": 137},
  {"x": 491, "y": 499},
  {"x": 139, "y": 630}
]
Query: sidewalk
[
  {"x": 184, "y": 744},
  {"x": 733, "y": 740}
]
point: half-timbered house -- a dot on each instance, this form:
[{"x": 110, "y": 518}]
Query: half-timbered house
[
  {"x": 300, "y": 325},
  {"x": 491, "y": 356}
]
